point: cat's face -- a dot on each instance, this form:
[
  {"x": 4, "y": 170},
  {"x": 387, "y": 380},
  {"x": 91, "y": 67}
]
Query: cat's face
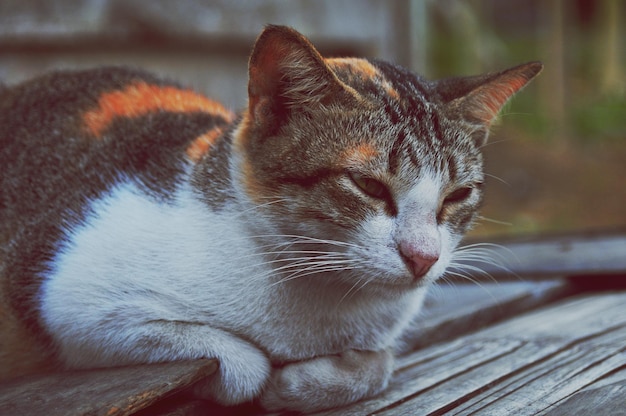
[{"x": 365, "y": 173}]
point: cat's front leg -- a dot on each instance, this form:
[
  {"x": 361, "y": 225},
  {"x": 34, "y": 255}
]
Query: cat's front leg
[
  {"x": 243, "y": 368},
  {"x": 328, "y": 381},
  {"x": 243, "y": 372}
]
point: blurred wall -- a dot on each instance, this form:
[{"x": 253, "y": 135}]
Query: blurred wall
[{"x": 202, "y": 43}]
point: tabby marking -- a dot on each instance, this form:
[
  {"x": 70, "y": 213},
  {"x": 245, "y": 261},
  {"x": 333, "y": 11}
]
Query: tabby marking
[
  {"x": 141, "y": 98},
  {"x": 354, "y": 68}
]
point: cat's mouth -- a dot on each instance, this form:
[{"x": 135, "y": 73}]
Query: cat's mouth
[{"x": 406, "y": 280}]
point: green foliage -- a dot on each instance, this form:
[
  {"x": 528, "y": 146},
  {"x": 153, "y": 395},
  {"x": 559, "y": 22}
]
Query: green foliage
[{"x": 601, "y": 119}]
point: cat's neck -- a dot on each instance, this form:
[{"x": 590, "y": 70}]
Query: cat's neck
[{"x": 212, "y": 176}]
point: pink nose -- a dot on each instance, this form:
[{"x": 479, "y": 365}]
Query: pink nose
[{"x": 418, "y": 260}]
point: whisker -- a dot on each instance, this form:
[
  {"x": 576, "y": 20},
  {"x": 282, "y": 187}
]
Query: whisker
[
  {"x": 352, "y": 290},
  {"x": 488, "y": 249},
  {"x": 494, "y": 221},
  {"x": 294, "y": 239},
  {"x": 287, "y": 263},
  {"x": 313, "y": 253},
  {"x": 499, "y": 179},
  {"x": 474, "y": 281},
  {"x": 312, "y": 271},
  {"x": 492, "y": 142},
  {"x": 479, "y": 258},
  {"x": 469, "y": 268},
  {"x": 309, "y": 265}
]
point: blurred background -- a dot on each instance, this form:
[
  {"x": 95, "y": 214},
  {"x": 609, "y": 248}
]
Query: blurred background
[{"x": 557, "y": 157}]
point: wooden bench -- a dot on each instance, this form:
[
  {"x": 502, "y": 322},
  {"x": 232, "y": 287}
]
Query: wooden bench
[{"x": 555, "y": 346}]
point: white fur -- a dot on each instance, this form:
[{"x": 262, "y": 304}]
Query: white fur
[
  {"x": 145, "y": 282},
  {"x": 148, "y": 281}
]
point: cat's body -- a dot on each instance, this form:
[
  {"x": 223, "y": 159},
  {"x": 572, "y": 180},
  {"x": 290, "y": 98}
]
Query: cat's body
[{"x": 141, "y": 222}]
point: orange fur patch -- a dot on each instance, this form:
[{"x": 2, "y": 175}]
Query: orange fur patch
[
  {"x": 355, "y": 66},
  {"x": 201, "y": 145},
  {"x": 360, "y": 154},
  {"x": 391, "y": 91},
  {"x": 141, "y": 98},
  {"x": 365, "y": 71},
  {"x": 251, "y": 183}
]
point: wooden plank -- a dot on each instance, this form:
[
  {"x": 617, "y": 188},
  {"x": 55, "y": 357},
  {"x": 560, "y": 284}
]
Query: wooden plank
[
  {"x": 606, "y": 400},
  {"x": 543, "y": 384},
  {"x": 108, "y": 392},
  {"x": 452, "y": 310},
  {"x": 598, "y": 398},
  {"x": 569, "y": 320},
  {"x": 523, "y": 366},
  {"x": 589, "y": 334},
  {"x": 431, "y": 385},
  {"x": 563, "y": 255}
]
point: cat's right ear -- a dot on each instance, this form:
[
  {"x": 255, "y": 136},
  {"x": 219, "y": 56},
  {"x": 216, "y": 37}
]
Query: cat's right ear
[
  {"x": 479, "y": 99},
  {"x": 286, "y": 73}
]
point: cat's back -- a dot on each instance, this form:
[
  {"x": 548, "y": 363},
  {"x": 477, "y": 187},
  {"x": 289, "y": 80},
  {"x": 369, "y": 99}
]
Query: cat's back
[{"x": 68, "y": 138}]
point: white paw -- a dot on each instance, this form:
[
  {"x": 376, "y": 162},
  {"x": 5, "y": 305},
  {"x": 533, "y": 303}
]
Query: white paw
[
  {"x": 240, "y": 378},
  {"x": 329, "y": 381}
]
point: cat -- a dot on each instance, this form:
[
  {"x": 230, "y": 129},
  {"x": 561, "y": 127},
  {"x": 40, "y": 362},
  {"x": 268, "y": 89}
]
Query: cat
[{"x": 143, "y": 222}]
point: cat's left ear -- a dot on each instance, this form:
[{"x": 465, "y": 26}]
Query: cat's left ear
[
  {"x": 479, "y": 99},
  {"x": 286, "y": 73}
]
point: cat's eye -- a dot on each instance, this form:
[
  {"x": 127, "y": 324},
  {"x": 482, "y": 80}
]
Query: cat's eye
[
  {"x": 458, "y": 195},
  {"x": 370, "y": 186}
]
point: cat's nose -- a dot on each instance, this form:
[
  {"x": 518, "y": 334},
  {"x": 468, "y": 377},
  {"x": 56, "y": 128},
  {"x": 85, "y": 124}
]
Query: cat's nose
[
  {"x": 420, "y": 265},
  {"x": 419, "y": 260}
]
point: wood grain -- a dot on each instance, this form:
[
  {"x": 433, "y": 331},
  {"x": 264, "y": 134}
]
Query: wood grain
[
  {"x": 454, "y": 310},
  {"x": 564, "y": 255},
  {"x": 108, "y": 392},
  {"x": 606, "y": 400},
  {"x": 523, "y": 366}
]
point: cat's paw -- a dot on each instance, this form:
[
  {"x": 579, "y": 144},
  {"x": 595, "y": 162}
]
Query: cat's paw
[
  {"x": 240, "y": 378},
  {"x": 328, "y": 381}
]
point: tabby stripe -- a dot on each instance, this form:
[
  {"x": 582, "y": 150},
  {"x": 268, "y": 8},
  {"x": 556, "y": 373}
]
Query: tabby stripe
[
  {"x": 434, "y": 118},
  {"x": 395, "y": 153},
  {"x": 394, "y": 114},
  {"x": 414, "y": 155},
  {"x": 453, "y": 169},
  {"x": 312, "y": 179}
]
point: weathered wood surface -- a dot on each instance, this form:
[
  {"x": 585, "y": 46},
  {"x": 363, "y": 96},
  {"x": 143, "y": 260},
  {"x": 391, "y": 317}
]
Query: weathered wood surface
[
  {"x": 107, "y": 392},
  {"x": 529, "y": 365},
  {"x": 454, "y": 310},
  {"x": 563, "y": 255},
  {"x": 606, "y": 400}
]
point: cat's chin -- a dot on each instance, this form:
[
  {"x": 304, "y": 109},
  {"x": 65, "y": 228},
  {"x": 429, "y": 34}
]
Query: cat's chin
[
  {"x": 353, "y": 287},
  {"x": 394, "y": 285}
]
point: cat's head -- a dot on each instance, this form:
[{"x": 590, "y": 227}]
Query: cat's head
[{"x": 363, "y": 171}]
